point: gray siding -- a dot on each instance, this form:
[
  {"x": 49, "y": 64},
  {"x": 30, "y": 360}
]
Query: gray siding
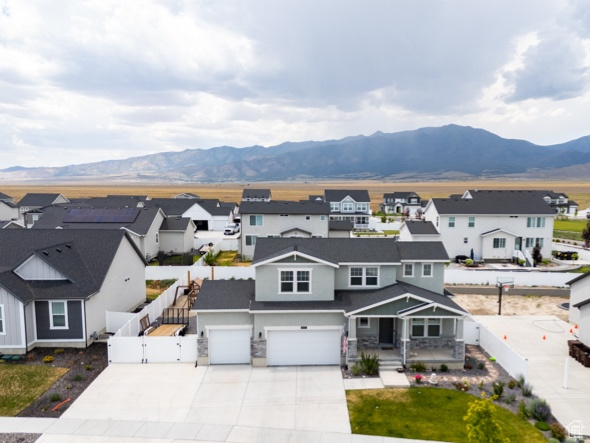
[
  {"x": 75, "y": 322},
  {"x": 12, "y": 321},
  {"x": 434, "y": 283},
  {"x": 205, "y": 319},
  {"x": 387, "y": 275},
  {"x": 267, "y": 282},
  {"x": 307, "y": 319}
]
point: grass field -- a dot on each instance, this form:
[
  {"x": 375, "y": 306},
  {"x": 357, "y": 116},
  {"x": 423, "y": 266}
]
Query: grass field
[
  {"x": 426, "y": 414},
  {"x": 23, "y": 384},
  {"x": 576, "y": 190},
  {"x": 569, "y": 229}
]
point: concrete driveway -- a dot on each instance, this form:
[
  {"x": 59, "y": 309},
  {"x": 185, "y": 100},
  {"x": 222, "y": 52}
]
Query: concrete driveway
[{"x": 285, "y": 398}]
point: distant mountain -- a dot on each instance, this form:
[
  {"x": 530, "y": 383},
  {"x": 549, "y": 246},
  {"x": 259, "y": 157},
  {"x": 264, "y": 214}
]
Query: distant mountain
[{"x": 448, "y": 152}]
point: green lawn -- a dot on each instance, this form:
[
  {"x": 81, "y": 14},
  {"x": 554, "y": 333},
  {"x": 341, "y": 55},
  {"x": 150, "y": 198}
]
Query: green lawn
[
  {"x": 21, "y": 385},
  {"x": 570, "y": 225},
  {"x": 426, "y": 414}
]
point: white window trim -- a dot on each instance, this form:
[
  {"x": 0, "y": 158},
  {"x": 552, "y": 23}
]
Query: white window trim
[
  {"x": 345, "y": 205},
  {"x": 65, "y": 303},
  {"x": 294, "y": 270},
  {"x": 452, "y": 220},
  {"x": 364, "y": 277},
  {"x": 256, "y": 220},
  {"x": 431, "y": 270},
  {"x": 404, "y": 269},
  {"x": 500, "y": 239},
  {"x": 252, "y": 237},
  {"x": 2, "y": 321},
  {"x": 360, "y": 326},
  {"x": 426, "y": 324},
  {"x": 469, "y": 225}
]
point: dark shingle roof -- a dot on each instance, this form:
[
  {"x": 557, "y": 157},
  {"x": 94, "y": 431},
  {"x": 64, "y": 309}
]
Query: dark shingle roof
[
  {"x": 214, "y": 207},
  {"x": 9, "y": 204},
  {"x": 422, "y": 250},
  {"x": 3, "y": 196},
  {"x": 225, "y": 294},
  {"x": 256, "y": 193},
  {"x": 114, "y": 201},
  {"x": 172, "y": 206},
  {"x": 340, "y": 225},
  {"x": 495, "y": 202},
  {"x": 285, "y": 207},
  {"x": 41, "y": 200},
  {"x": 405, "y": 195},
  {"x": 337, "y": 195},
  {"x": 578, "y": 278},
  {"x": 83, "y": 256},
  {"x": 421, "y": 227},
  {"x": 175, "y": 224}
]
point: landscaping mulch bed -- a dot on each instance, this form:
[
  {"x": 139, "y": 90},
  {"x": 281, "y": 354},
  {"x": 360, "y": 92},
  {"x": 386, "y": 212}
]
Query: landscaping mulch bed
[{"x": 84, "y": 366}]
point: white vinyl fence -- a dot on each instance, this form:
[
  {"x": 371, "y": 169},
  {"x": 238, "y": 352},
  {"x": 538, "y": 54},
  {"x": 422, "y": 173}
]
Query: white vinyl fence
[
  {"x": 145, "y": 349},
  {"x": 507, "y": 357},
  {"x": 532, "y": 278}
]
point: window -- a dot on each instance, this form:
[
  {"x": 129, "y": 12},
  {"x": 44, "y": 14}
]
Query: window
[
  {"x": 471, "y": 223},
  {"x": 465, "y": 239},
  {"x": 308, "y": 217},
  {"x": 157, "y": 238},
  {"x": 427, "y": 270},
  {"x": 294, "y": 281},
  {"x": 348, "y": 207},
  {"x": 364, "y": 322},
  {"x": 256, "y": 220},
  {"x": 251, "y": 240},
  {"x": 539, "y": 241},
  {"x": 422, "y": 327},
  {"x": 451, "y": 222},
  {"x": 530, "y": 242},
  {"x": 334, "y": 207},
  {"x": 535, "y": 222},
  {"x": 362, "y": 207},
  {"x": 499, "y": 243},
  {"x": 2, "y": 331},
  {"x": 361, "y": 276},
  {"x": 322, "y": 217},
  {"x": 408, "y": 270},
  {"x": 58, "y": 315}
]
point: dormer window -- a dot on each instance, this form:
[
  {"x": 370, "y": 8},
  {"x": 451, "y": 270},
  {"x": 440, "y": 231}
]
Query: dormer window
[
  {"x": 294, "y": 281},
  {"x": 347, "y": 207},
  {"x": 334, "y": 207}
]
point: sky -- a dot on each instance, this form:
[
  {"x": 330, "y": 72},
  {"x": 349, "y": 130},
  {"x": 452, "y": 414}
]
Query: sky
[{"x": 93, "y": 80}]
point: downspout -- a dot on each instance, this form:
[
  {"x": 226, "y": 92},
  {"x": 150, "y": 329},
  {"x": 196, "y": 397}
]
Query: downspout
[{"x": 404, "y": 340}]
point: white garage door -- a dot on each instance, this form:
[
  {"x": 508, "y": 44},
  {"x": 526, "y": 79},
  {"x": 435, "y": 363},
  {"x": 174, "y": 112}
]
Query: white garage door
[
  {"x": 229, "y": 346},
  {"x": 303, "y": 347}
]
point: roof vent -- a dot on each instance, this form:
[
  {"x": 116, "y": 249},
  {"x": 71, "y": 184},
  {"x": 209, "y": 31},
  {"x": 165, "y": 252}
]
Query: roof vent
[
  {"x": 58, "y": 249},
  {"x": 45, "y": 252},
  {"x": 69, "y": 246}
]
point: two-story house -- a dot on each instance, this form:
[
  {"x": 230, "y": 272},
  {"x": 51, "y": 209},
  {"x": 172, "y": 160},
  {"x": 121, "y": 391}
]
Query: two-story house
[
  {"x": 30, "y": 205},
  {"x": 318, "y": 301},
  {"x": 256, "y": 195},
  {"x": 493, "y": 225},
  {"x": 559, "y": 201},
  {"x": 349, "y": 205},
  {"x": 281, "y": 219},
  {"x": 400, "y": 202}
]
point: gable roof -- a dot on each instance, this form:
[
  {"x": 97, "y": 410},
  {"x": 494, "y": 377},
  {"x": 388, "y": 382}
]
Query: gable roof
[
  {"x": 286, "y": 207},
  {"x": 422, "y": 250},
  {"x": 176, "y": 224},
  {"x": 115, "y": 201},
  {"x": 37, "y": 199},
  {"x": 225, "y": 295},
  {"x": 578, "y": 278},
  {"x": 405, "y": 195},
  {"x": 507, "y": 202},
  {"x": 186, "y": 195},
  {"x": 83, "y": 256},
  {"x": 337, "y": 195},
  {"x": 215, "y": 207},
  {"x": 256, "y": 193},
  {"x": 172, "y": 206},
  {"x": 421, "y": 227},
  {"x": 5, "y": 197}
]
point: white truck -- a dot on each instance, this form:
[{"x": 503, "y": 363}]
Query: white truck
[{"x": 232, "y": 228}]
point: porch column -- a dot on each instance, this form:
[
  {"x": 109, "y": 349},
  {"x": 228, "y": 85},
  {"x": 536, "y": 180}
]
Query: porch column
[
  {"x": 459, "y": 350},
  {"x": 352, "y": 340},
  {"x": 405, "y": 340}
]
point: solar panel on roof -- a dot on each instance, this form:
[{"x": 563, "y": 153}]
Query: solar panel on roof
[{"x": 104, "y": 215}]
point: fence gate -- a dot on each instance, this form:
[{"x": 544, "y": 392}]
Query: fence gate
[
  {"x": 144, "y": 349},
  {"x": 471, "y": 331}
]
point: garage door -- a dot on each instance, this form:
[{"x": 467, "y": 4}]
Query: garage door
[
  {"x": 303, "y": 347},
  {"x": 229, "y": 346}
]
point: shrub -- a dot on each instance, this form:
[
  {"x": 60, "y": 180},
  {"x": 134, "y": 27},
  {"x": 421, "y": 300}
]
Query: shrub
[
  {"x": 370, "y": 363},
  {"x": 481, "y": 365},
  {"x": 55, "y": 397},
  {"x": 77, "y": 377},
  {"x": 48, "y": 359},
  {"x": 512, "y": 383},
  {"x": 527, "y": 390},
  {"x": 558, "y": 432},
  {"x": 88, "y": 368},
  {"x": 468, "y": 365},
  {"x": 356, "y": 369},
  {"x": 520, "y": 380},
  {"x": 539, "y": 409},
  {"x": 498, "y": 388},
  {"x": 509, "y": 399},
  {"x": 418, "y": 366},
  {"x": 59, "y": 351},
  {"x": 480, "y": 386},
  {"x": 545, "y": 261},
  {"x": 469, "y": 262},
  {"x": 523, "y": 412},
  {"x": 444, "y": 368},
  {"x": 542, "y": 426},
  {"x": 418, "y": 378}
]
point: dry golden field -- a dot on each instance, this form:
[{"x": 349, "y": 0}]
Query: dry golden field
[{"x": 576, "y": 190}]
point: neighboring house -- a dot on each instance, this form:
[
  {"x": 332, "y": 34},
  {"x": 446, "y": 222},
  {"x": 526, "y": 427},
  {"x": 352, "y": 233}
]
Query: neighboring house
[
  {"x": 207, "y": 214},
  {"x": 349, "y": 205},
  {"x": 6, "y": 198},
  {"x": 31, "y": 203},
  {"x": 9, "y": 211},
  {"x": 11, "y": 224},
  {"x": 340, "y": 229},
  {"x": 495, "y": 225},
  {"x": 177, "y": 235},
  {"x": 57, "y": 284},
  {"x": 418, "y": 230},
  {"x": 560, "y": 202},
  {"x": 142, "y": 224},
  {"x": 187, "y": 195},
  {"x": 281, "y": 219},
  {"x": 580, "y": 303},
  {"x": 400, "y": 202},
  {"x": 256, "y": 195},
  {"x": 324, "y": 301}
]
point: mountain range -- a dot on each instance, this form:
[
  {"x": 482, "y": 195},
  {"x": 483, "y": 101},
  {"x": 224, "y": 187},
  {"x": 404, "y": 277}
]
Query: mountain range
[{"x": 447, "y": 152}]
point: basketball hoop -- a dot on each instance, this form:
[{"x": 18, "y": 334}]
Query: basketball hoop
[
  {"x": 503, "y": 284},
  {"x": 506, "y": 287}
]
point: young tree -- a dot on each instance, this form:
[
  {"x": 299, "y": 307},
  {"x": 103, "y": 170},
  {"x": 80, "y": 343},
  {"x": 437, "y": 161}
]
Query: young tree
[
  {"x": 537, "y": 257},
  {"x": 586, "y": 235},
  {"x": 482, "y": 425}
]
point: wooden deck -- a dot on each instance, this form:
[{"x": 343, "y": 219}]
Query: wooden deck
[{"x": 166, "y": 330}]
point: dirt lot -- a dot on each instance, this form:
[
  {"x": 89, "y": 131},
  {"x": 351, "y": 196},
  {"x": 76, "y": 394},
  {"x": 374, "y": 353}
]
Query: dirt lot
[{"x": 478, "y": 304}]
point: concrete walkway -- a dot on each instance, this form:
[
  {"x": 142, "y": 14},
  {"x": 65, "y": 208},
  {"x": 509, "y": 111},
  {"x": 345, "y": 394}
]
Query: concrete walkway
[{"x": 542, "y": 341}]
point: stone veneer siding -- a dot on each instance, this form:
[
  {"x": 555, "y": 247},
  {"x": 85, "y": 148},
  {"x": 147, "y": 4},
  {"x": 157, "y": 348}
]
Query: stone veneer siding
[
  {"x": 352, "y": 348},
  {"x": 459, "y": 350},
  {"x": 442, "y": 342},
  {"x": 368, "y": 341},
  {"x": 202, "y": 347},
  {"x": 258, "y": 348}
]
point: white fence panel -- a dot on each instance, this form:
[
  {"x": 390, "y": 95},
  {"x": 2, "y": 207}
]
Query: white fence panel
[
  {"x": 188, "y": 348},
  {"x": 165, "y": 272},
  {"x": 125, "y": 350},
  {"x": 510, "y": 360},
  {"x": 521, "y": 278},
  {"x": 471, "y": 332},
  {"x": 236, "y": 272},
  {"x": 162, "y": 349},
  {"x": 116, "y": 320}
]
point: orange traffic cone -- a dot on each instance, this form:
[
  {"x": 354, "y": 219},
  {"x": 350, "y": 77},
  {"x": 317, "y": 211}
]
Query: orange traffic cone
[
  {"x": 505, "y": 337},
  {"x": 571, "y": 331},
  {"x": 576, "y": 326}
]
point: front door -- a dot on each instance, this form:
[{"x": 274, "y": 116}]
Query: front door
[
  {"x": 386, "y": 330},
  {"x": 518, "y": 244}
]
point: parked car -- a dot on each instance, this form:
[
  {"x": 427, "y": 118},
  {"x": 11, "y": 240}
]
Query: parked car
[{"x": 232, "y": 228}]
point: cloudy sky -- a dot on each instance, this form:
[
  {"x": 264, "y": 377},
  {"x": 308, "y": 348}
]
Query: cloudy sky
[{"x": 84, "y": 81}]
